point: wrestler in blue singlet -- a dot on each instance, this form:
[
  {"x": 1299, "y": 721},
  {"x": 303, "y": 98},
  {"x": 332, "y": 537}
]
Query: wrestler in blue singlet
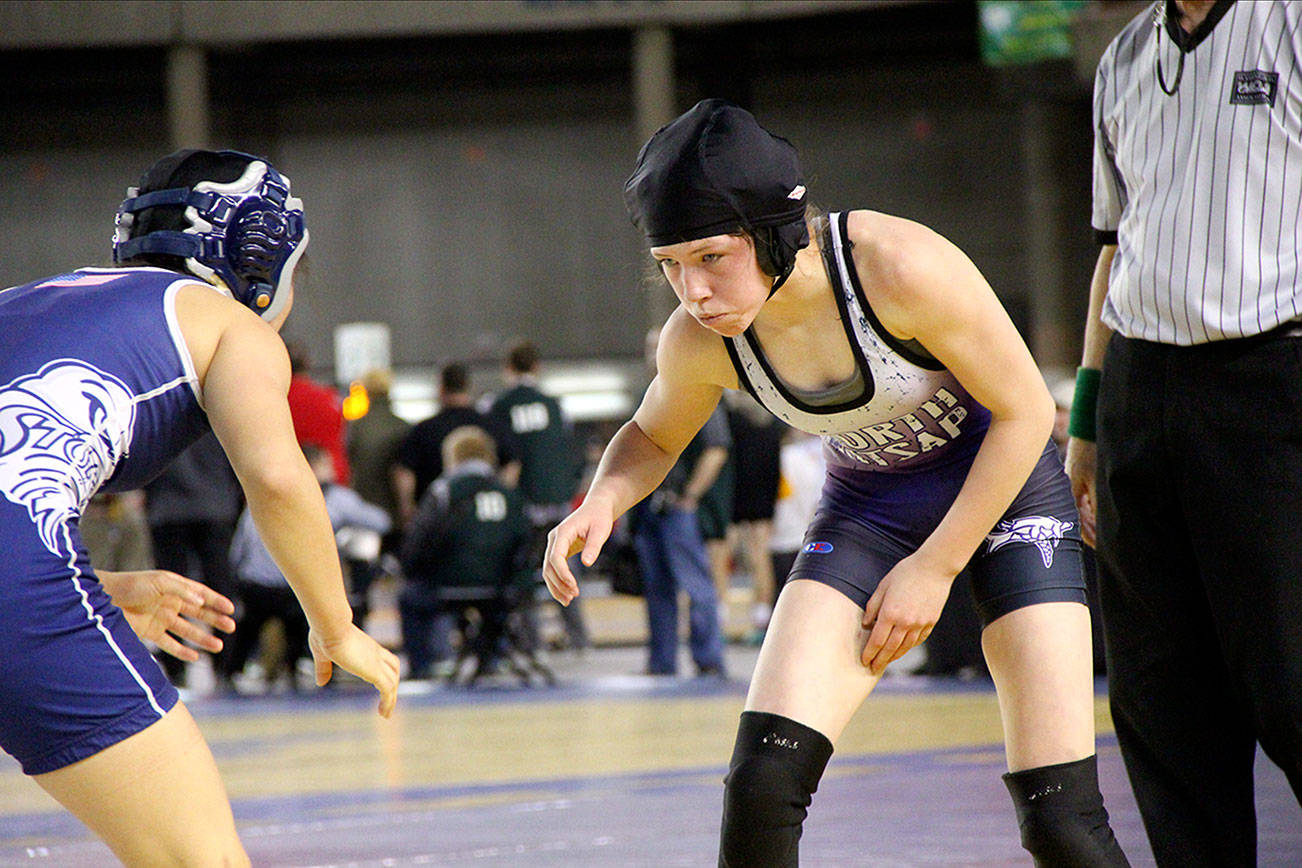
[
  {"x": 97, "y": 392},
  {"x": 899, "y": 438}
]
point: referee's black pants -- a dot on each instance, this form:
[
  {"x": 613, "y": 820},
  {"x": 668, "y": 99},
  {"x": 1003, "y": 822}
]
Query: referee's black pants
[{"x": 1200, "y": 573}]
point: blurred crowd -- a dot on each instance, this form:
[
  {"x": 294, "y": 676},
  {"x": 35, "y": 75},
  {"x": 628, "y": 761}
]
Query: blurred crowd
[{"x": 441, "y": 527}]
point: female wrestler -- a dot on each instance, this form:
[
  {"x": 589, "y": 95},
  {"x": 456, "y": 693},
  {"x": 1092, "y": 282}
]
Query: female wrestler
[
  {"x": 882, "y": 337},
  {"x": 106, "y": 375}
]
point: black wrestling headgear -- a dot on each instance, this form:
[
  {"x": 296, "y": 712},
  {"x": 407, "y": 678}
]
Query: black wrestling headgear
[{"x": 715, "y": 170}]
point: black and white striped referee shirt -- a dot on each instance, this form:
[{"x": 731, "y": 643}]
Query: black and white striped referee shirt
[{"x": 1201, "y": 190}]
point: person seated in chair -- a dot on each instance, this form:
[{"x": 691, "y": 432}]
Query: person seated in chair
[
  {"x": 263, "y": 589},
  {"x": 461, "y": 549}
]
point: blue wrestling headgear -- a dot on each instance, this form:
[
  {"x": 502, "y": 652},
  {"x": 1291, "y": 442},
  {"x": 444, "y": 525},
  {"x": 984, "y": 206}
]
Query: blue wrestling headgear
[{"x": 226, "y": 216}]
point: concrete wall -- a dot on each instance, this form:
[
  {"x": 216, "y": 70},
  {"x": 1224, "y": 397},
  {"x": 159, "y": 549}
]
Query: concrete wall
[{"x": 466, "y": 188}]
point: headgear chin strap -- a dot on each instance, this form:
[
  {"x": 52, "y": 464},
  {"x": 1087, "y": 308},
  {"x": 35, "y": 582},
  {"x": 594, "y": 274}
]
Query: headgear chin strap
[{"x": 246, "y": 235}]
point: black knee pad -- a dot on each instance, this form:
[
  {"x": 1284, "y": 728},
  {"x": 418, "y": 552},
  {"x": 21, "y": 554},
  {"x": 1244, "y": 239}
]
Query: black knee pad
[
  {"x": 775, "y": 769},
  {"x": 1061, "y": 816}
]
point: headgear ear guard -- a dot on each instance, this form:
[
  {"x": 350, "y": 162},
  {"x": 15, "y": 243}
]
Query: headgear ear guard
[
  {"x": 246, "y": 234},
  {"x": 776, "y": 248},
  {"x": 714, "y": 170}
]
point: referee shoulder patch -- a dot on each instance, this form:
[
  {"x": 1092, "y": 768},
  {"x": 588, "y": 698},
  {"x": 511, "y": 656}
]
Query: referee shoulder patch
[{"x": 1254, "y": 87}]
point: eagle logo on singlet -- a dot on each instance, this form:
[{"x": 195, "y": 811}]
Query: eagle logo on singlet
[
  {"x": 1042, "y": 531},
  {"x": 62, "y": 432}
]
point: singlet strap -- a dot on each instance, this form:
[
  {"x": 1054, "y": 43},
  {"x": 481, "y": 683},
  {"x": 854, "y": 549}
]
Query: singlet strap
[
  {"x": 840, "y": 266},
  {"x": 740, "y": 369}
]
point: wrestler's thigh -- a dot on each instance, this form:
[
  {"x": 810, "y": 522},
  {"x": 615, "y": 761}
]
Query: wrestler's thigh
[
  {"x": 809, "y": 667},
  {"x": 155, "y": 798},
  {"x": 1041, "y": 661}
]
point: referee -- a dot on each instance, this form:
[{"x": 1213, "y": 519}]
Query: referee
[{"x": 1193, "y": 352}]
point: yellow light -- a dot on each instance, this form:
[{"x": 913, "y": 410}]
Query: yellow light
[{"x": 358, "y": 403}]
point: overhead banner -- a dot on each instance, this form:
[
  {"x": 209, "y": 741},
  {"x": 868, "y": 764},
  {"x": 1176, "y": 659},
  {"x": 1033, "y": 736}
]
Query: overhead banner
[{"x": 1014, "y": 33}]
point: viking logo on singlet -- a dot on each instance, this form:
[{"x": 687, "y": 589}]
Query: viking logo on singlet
[
  {"x": 62, "y": 432},
  {"x": 1042, "y": 531},
  {"x": 935, "y": 423}
]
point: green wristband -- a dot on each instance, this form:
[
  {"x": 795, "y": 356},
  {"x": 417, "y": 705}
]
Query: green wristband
[{"x": 1084, "y": 403}]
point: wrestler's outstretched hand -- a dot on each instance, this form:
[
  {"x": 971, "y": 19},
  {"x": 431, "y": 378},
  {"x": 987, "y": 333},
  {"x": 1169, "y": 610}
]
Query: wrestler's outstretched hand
[
  {"x": 584, "y": 530},
  {"x": 165, "y": 609},
  {"x": 361, "y": 655}
]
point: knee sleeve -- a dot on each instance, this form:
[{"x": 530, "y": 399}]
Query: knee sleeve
[
  {"x": 1061, "y": 816},
  {"x": 775, "y": 769}
]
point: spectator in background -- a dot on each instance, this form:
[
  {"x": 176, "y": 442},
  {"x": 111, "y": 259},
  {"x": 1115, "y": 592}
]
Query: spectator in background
[
  {"x": 672, "y": 556},
  {"x": 191, "y": 508},
  {"x": 671, "y": 548},
  {"x": 317, "y": 411},
  {"x": 373, "y": 442},
  {"x": 756, "y": 445},
  {"x": 800, "y": 483},
  {"x": 714, "y": 517},
  {"x": 469, "y": 533},
  {"x": 550, "y": 460},
  {"x": 266, "y": 594},
  {"x": 671, "y": 551},
  {"x": 420, "y": 456}
]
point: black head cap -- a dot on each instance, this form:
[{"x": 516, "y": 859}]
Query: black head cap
[{"x": 711, "y": 171}]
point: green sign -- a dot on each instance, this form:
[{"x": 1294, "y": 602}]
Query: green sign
[{"x": 1014, "y": 32}]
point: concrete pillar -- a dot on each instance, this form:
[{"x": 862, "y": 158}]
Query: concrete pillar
[
  {"x": 653, "y": 79},
  {"x": 1054, "y": 332},
  {"x": 654, "y": 106},
  {"x": 188, "y": 116}
]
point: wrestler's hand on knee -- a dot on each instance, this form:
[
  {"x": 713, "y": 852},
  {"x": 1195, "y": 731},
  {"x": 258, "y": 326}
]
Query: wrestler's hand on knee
[
  {"x": 902, "y": 611},
  {"x": 361, "y": 655},
  {"x": 168, "y": 610}
]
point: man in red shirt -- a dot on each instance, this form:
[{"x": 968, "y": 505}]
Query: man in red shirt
[{"x": 317, "y": 413}]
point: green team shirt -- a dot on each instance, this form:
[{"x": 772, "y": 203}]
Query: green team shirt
[
  {"x": 548, "y": 453},
  {"x": 469, "y": 531}
]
